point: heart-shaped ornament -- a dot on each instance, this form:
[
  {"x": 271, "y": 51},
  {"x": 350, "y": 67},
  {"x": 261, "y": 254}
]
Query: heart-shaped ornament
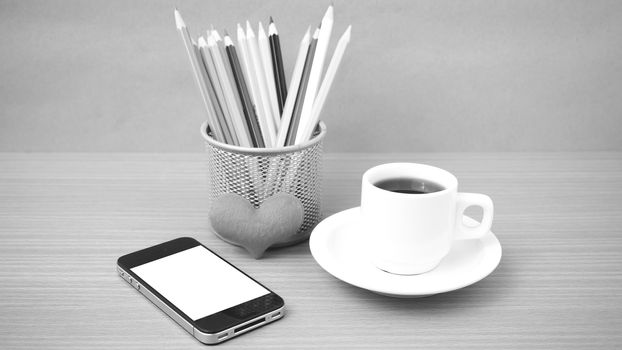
[{"x": 235, "y": 220}]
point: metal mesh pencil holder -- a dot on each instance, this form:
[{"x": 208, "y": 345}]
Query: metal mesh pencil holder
[{"x": 257, "y": 174}]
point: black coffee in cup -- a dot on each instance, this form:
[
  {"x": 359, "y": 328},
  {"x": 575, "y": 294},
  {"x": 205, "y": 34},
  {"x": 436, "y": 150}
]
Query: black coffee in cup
[{"x": 409, "y": 185}]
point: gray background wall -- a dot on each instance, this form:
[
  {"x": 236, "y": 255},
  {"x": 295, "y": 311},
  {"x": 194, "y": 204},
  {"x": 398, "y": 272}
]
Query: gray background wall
[{"x": 418, "y": 76}]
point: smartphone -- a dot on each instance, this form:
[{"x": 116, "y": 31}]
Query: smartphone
[{"x": 206, "y": 295}]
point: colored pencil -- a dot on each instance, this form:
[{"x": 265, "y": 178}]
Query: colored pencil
[
  {"x": 200, "y": 78},
  {"x": 266, "y": 60},
  {"x": 294, "y": 85},
  {"x": 267, "y": 122},
  {"x": 293, "y": 125},
  {"x": 277, "y": 66},
  {"x": 237, "y": 97},
  {"x": 247, "y": 104},
  {"x": 240, "y": 123},
  {"x": 316, "y": 71},
  {"x": 326, "y": 84}
]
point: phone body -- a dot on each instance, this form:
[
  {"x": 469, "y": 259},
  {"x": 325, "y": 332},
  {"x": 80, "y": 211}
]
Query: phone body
[{"x": 207, "y": 296}]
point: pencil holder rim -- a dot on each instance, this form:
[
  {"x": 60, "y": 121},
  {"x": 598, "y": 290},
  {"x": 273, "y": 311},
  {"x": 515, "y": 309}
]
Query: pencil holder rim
[{"x": 318, "y": 137}]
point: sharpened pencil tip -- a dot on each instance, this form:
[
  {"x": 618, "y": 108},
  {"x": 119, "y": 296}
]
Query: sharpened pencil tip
[
  {"x": 241, "y": 35},
  {"x": 228, "y": 41},
  {"x": 211, "y": 40},
  {"x": 215, "y": 35},
  {"x": 316, "y": 34},
  {"x": 249, "y": 30},
  {"x": 329, "y": 13},
  {"x": 346, "y": 35},
  {"x": 271, "y": 20},
  {"x": 202, "y": 42},
  {"x": 178, "y": 20},
  {"x": 272, "y": 29}
]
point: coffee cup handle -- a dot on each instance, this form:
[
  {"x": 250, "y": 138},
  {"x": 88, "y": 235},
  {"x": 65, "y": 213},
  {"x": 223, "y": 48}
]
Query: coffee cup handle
[{"x": 466, "y": 200}]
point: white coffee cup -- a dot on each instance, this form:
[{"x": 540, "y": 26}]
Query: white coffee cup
[{"x": 411, "y": 233}]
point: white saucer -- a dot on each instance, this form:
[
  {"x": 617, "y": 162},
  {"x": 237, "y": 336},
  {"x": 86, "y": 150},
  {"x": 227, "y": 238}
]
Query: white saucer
[{"x": 338, "y": 246}]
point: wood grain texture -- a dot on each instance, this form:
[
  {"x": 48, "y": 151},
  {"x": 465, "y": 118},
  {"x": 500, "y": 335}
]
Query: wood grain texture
[{"x": 65, "y": 218}]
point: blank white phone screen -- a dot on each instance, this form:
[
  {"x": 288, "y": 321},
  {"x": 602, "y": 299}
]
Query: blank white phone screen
[{"x": 198, "y": 282}]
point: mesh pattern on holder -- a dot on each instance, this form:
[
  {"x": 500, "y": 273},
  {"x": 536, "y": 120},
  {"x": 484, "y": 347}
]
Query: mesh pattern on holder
[{"x": 258, "y": 173}]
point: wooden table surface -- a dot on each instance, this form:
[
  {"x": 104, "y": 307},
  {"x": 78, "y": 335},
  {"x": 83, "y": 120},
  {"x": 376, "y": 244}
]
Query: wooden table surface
[{"x": 65, "y": 218}]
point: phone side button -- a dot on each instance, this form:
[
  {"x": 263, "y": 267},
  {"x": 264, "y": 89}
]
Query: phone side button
[{"x": 122, "y": 273}]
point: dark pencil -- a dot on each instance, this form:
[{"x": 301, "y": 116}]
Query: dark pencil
[
  {"x": 277, "y": 66},
  {"x": 293, "y": 125},
  {"x": 247, "y": 106}
]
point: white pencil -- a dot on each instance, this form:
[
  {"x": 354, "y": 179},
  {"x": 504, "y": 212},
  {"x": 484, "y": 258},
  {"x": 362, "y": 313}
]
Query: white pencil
[
  {"x": 267, "y": 122},
  {"x": 326, "y": 28},
  {"x": 325, "y": 87},
  {"x": 266, "y": 59},
  {"x": 247, "y": 67},
  {"x": 294, "y": 84},
  {"x": 200, "y": 79},
  {"x": 235, "y": 114},
  {"x": 244, "y": 61}
]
